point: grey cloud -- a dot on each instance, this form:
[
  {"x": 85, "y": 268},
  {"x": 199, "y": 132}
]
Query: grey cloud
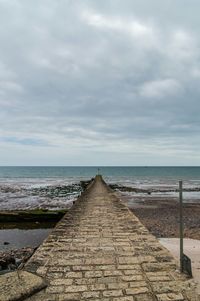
[{"x": 87, "y": 74}]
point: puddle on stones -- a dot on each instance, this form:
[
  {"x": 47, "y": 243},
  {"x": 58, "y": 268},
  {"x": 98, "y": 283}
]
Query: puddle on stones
[{"x": 19, "y": 235}]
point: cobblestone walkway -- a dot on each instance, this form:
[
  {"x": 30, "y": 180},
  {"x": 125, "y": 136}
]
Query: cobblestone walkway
[{"x": 101, "y": 251}]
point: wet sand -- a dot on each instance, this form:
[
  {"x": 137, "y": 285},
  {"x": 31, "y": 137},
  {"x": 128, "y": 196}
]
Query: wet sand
[{"x": 161, "y": 216}]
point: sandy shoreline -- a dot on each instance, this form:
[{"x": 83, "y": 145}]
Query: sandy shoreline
[{"x": 161, "y": 217}]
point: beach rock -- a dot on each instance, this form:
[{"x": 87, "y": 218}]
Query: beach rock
[
  {"x": 84, "y": 184},
  {"x": 6, "y": 260},
  {"x": 12, "y": 267},
  {"x": 11, "y": 259},
  {"x": 3, "y": 264},
  {"x": 56, "y": 191},
  {"x": 18, "y": 261},
  {"x": 128, "y": 189}
]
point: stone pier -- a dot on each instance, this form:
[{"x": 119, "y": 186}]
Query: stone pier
[{"x": 101, "y": 251}]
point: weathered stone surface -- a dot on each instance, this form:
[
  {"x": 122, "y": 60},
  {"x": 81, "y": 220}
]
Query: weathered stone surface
[
  {"x": 101, "y": 251},
  {"x": 19, "y": 285}
]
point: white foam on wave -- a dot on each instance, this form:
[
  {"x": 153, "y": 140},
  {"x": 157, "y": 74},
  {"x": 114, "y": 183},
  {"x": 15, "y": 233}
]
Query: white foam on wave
[
  {"x": 16, "y": 194},
  {"x": 34, "y": 202}
]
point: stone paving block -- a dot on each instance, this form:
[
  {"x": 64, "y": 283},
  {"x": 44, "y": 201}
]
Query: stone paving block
[
  {"x": 61, "y": 282},
  {"x": 128, "y": 260},
  {"x": 109, "y": 279},
  {"x": 143, "y": 259},
  {"x": 43, "y": 296},
  {"x": 76, "y": 288},
  {"x": 112, "y": 293},
  {"x": 41, "y": 271},
  {"x": 129, "y": 267},
  {"x": 118, "y": 285},
  {"x": 156, "y": 267},
  {"x": 89, "y": 295},
  {"x": 67, "y": 297},
  {"x": 100, "y": 261},
  {"x": 55, "y": 275},
  {"x": 113, "y": 273},
  {"x": 71, "y": 261},
  {"x": 57, "y": 269},
  {"x": 159, "y": 276},
  {"x": 144, "y": 297},
  {"x": 73, "y": 275},
  {"x": 82, "y": 267},
  {"x": 133, "y": 278},
  {"x": 170, "y": 296},
  {"x": 138, "y": 284},
  {"x": 137, "y": 290},
  {"x": 104, "y": 267},
  {"x": 93, "y": 274},
  {"x": 57, "y": 289},
  {"x": 84, "y": 281},
  {"x": 97, "y": 287},
  {"x": 166, "y": 287},
  {"x": 127, "y": 298},
  {"x": 132, "y": 272}
]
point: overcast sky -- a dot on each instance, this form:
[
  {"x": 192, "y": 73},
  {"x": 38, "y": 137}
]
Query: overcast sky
[{"x": 90, "y": 82}]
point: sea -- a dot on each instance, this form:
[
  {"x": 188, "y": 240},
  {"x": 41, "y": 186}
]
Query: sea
[
  {"x": 53, "y": 188},
  {"x": 21, "y": 187}
]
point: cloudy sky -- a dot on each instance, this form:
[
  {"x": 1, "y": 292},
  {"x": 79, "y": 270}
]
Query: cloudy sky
[{"x": 94, "y": 82}]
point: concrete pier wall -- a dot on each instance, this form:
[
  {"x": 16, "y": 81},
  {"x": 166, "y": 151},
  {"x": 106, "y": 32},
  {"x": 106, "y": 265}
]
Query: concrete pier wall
[{"x": 101, "y": 251}]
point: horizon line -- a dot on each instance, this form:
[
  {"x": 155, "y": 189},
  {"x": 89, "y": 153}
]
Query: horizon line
[{"x": 100, "y": 166}]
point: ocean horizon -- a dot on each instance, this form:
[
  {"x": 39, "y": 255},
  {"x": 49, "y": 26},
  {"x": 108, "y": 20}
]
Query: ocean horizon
[{"x": 59, "y": 171}]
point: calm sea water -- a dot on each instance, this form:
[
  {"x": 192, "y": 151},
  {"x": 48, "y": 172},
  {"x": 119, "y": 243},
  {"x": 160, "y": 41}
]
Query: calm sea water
[{"x": 108, "y": 172}]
